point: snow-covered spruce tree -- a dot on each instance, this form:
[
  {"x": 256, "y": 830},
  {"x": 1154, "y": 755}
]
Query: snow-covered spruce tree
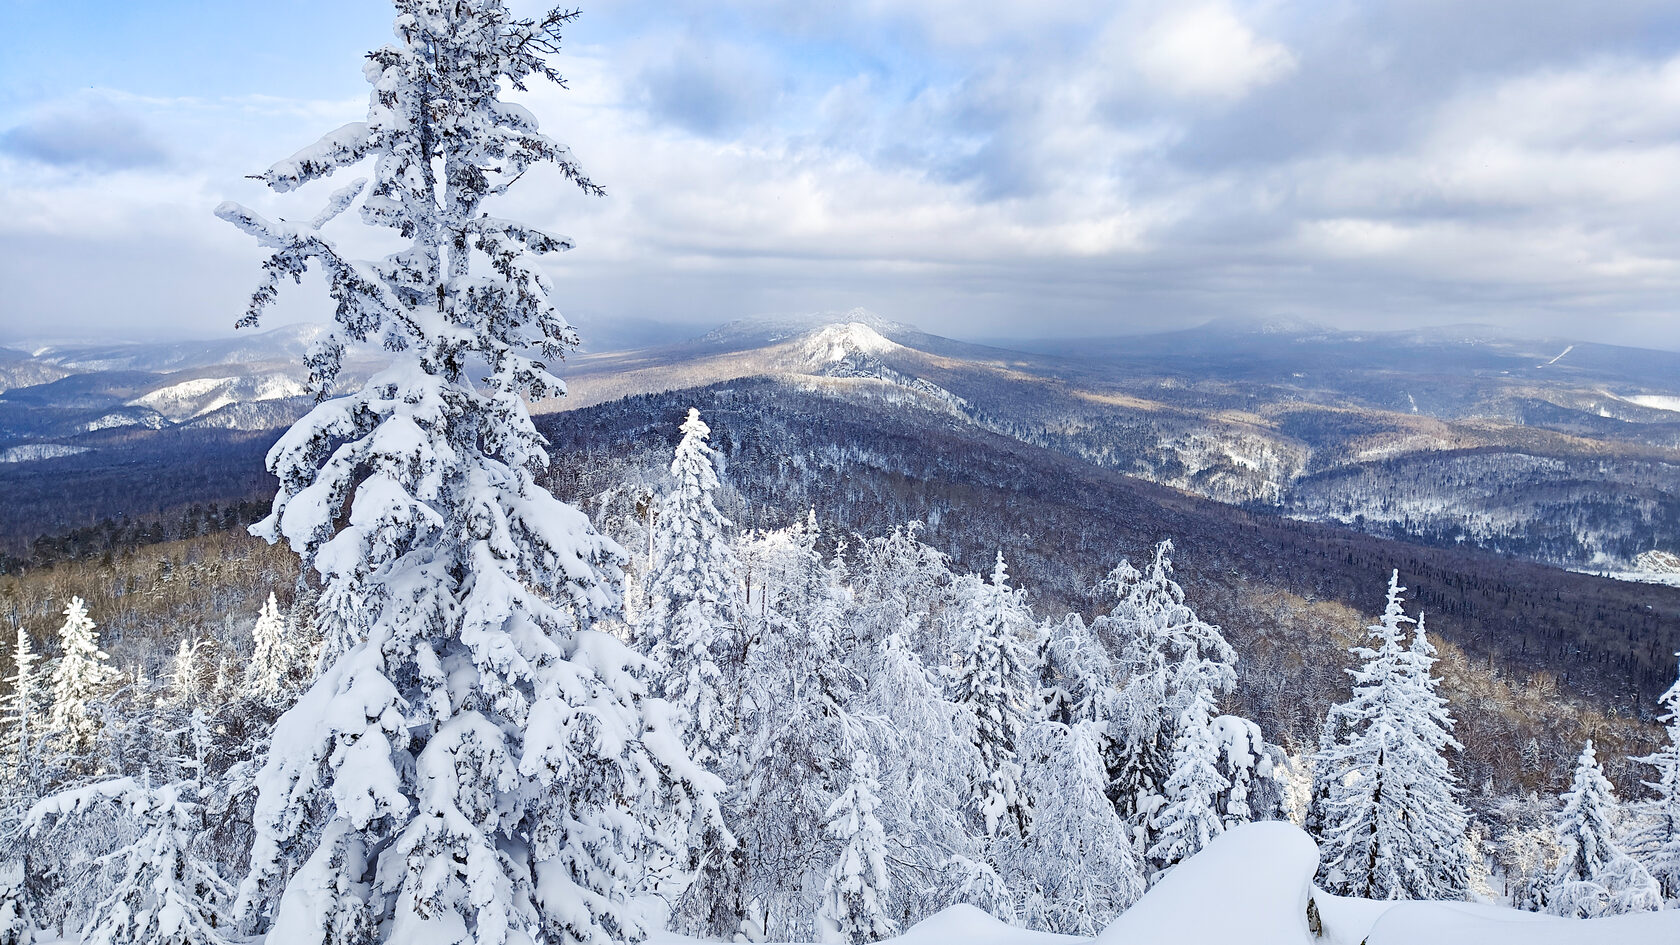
[
  {"x": 798, "y": 736},
  {"x": 80, "y": 676},
  {"x": 1657, "y": 842},
  {"x": 19, "y": 716},
  {"x": 275, "y": 657},
  {"x": 1594, "y": 876},
  {"x": 1391, "y": 825},
  {"x": 925, "y": 747},
  {"x": 992, "y": 682},
  {"x": 854, "y": 898},
  {"x": 1190, "y": 819},
  {"x": 17, "y": 921},
  {"x": 1075, "y": 870},
  {"x": 692, "y": 626},
  {"x": 1440, "y": 820},
  {"x": 163, "y": 892},
  {"x": 1170, "y": 658},
  {"x": 692, "y": 623},
  {"x": 472, "y": 762}
]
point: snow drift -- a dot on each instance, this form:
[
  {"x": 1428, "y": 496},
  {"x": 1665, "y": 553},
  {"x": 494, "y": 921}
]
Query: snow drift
[{"x": 1252, "y": 886}]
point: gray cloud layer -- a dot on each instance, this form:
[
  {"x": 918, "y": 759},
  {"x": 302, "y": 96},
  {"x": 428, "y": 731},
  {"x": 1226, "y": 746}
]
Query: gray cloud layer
[
  {"x": 85, "y": 133},
  {"x": 989, "y": 168}
]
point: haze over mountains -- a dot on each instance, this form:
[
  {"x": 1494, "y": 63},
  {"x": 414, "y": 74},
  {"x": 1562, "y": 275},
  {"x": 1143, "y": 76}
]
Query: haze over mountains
[{"x": 1560, "y": 452}]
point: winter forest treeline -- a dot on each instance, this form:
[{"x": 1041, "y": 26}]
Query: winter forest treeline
[
  {"x": 889, "y": 736},
  {"x": 485, "y": 720}
]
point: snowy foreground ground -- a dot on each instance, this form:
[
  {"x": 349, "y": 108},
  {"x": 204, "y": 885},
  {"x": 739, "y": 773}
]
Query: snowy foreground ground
[{"x": 1251, "y": 886}]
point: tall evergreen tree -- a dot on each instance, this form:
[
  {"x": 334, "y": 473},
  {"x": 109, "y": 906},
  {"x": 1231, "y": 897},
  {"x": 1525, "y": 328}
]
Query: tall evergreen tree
[
  {"x": 1171, "y": 659},
  {"x": 1439, "y": 817},
  {"x": 1391, "y": 825},
  {"x": 1595, "y": 877},
  {"x": 854, "y": 900},
  {"x": 80, "y": 676},
  {"x": 1191, "y": 818},
  {"x": 800, "y": 740},
  {"x": 1075, "y": 869},
  {"x": 1657, "y": 842},
  {"x": 992, "y": 682},
  {"x": 470, "y": 765},
  {"x": 20, "y": 708},
  {"x": 275, "y": 655},
  {"x": 691, "y": 624}
]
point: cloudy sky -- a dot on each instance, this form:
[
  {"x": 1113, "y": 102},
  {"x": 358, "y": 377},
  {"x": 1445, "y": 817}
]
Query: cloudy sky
[{"x": 979, "y": 168}]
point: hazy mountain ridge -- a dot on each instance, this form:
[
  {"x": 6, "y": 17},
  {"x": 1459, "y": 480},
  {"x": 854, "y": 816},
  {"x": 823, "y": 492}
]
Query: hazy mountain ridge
[
  {"x": 61, "y": 395},
  {"x": 1535, "y": 448},
  {"x": 1559, "y": 452}
]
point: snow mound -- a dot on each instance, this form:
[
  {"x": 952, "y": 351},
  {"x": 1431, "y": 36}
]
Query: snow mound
[
  {"x": 834, "y": 343},
  {"x": 966, "y": 925},
  {"x": 1467, "y": 923},
  {"x": 1249, "y": 886}
]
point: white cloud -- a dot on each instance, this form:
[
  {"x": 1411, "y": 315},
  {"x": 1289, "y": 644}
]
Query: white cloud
[{"x": 1207, "y": 51}]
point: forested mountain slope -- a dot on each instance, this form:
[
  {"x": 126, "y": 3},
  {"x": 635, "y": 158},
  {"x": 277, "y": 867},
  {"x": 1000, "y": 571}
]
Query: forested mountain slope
[{"x": 1448, "y": 438}]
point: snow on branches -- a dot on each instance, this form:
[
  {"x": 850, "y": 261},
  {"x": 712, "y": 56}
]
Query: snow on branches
[
  {"x": 1386, "y": 802},
  {"x": 475, "y": 760},
  {"x": 79, "y": 676},
  {"x": 1595, "y": 876}
]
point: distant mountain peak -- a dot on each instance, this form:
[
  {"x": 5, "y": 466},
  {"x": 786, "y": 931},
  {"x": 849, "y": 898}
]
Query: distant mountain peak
[
  {"x": 837, "y": 342},
  {"x": 770, "y": 329}
]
